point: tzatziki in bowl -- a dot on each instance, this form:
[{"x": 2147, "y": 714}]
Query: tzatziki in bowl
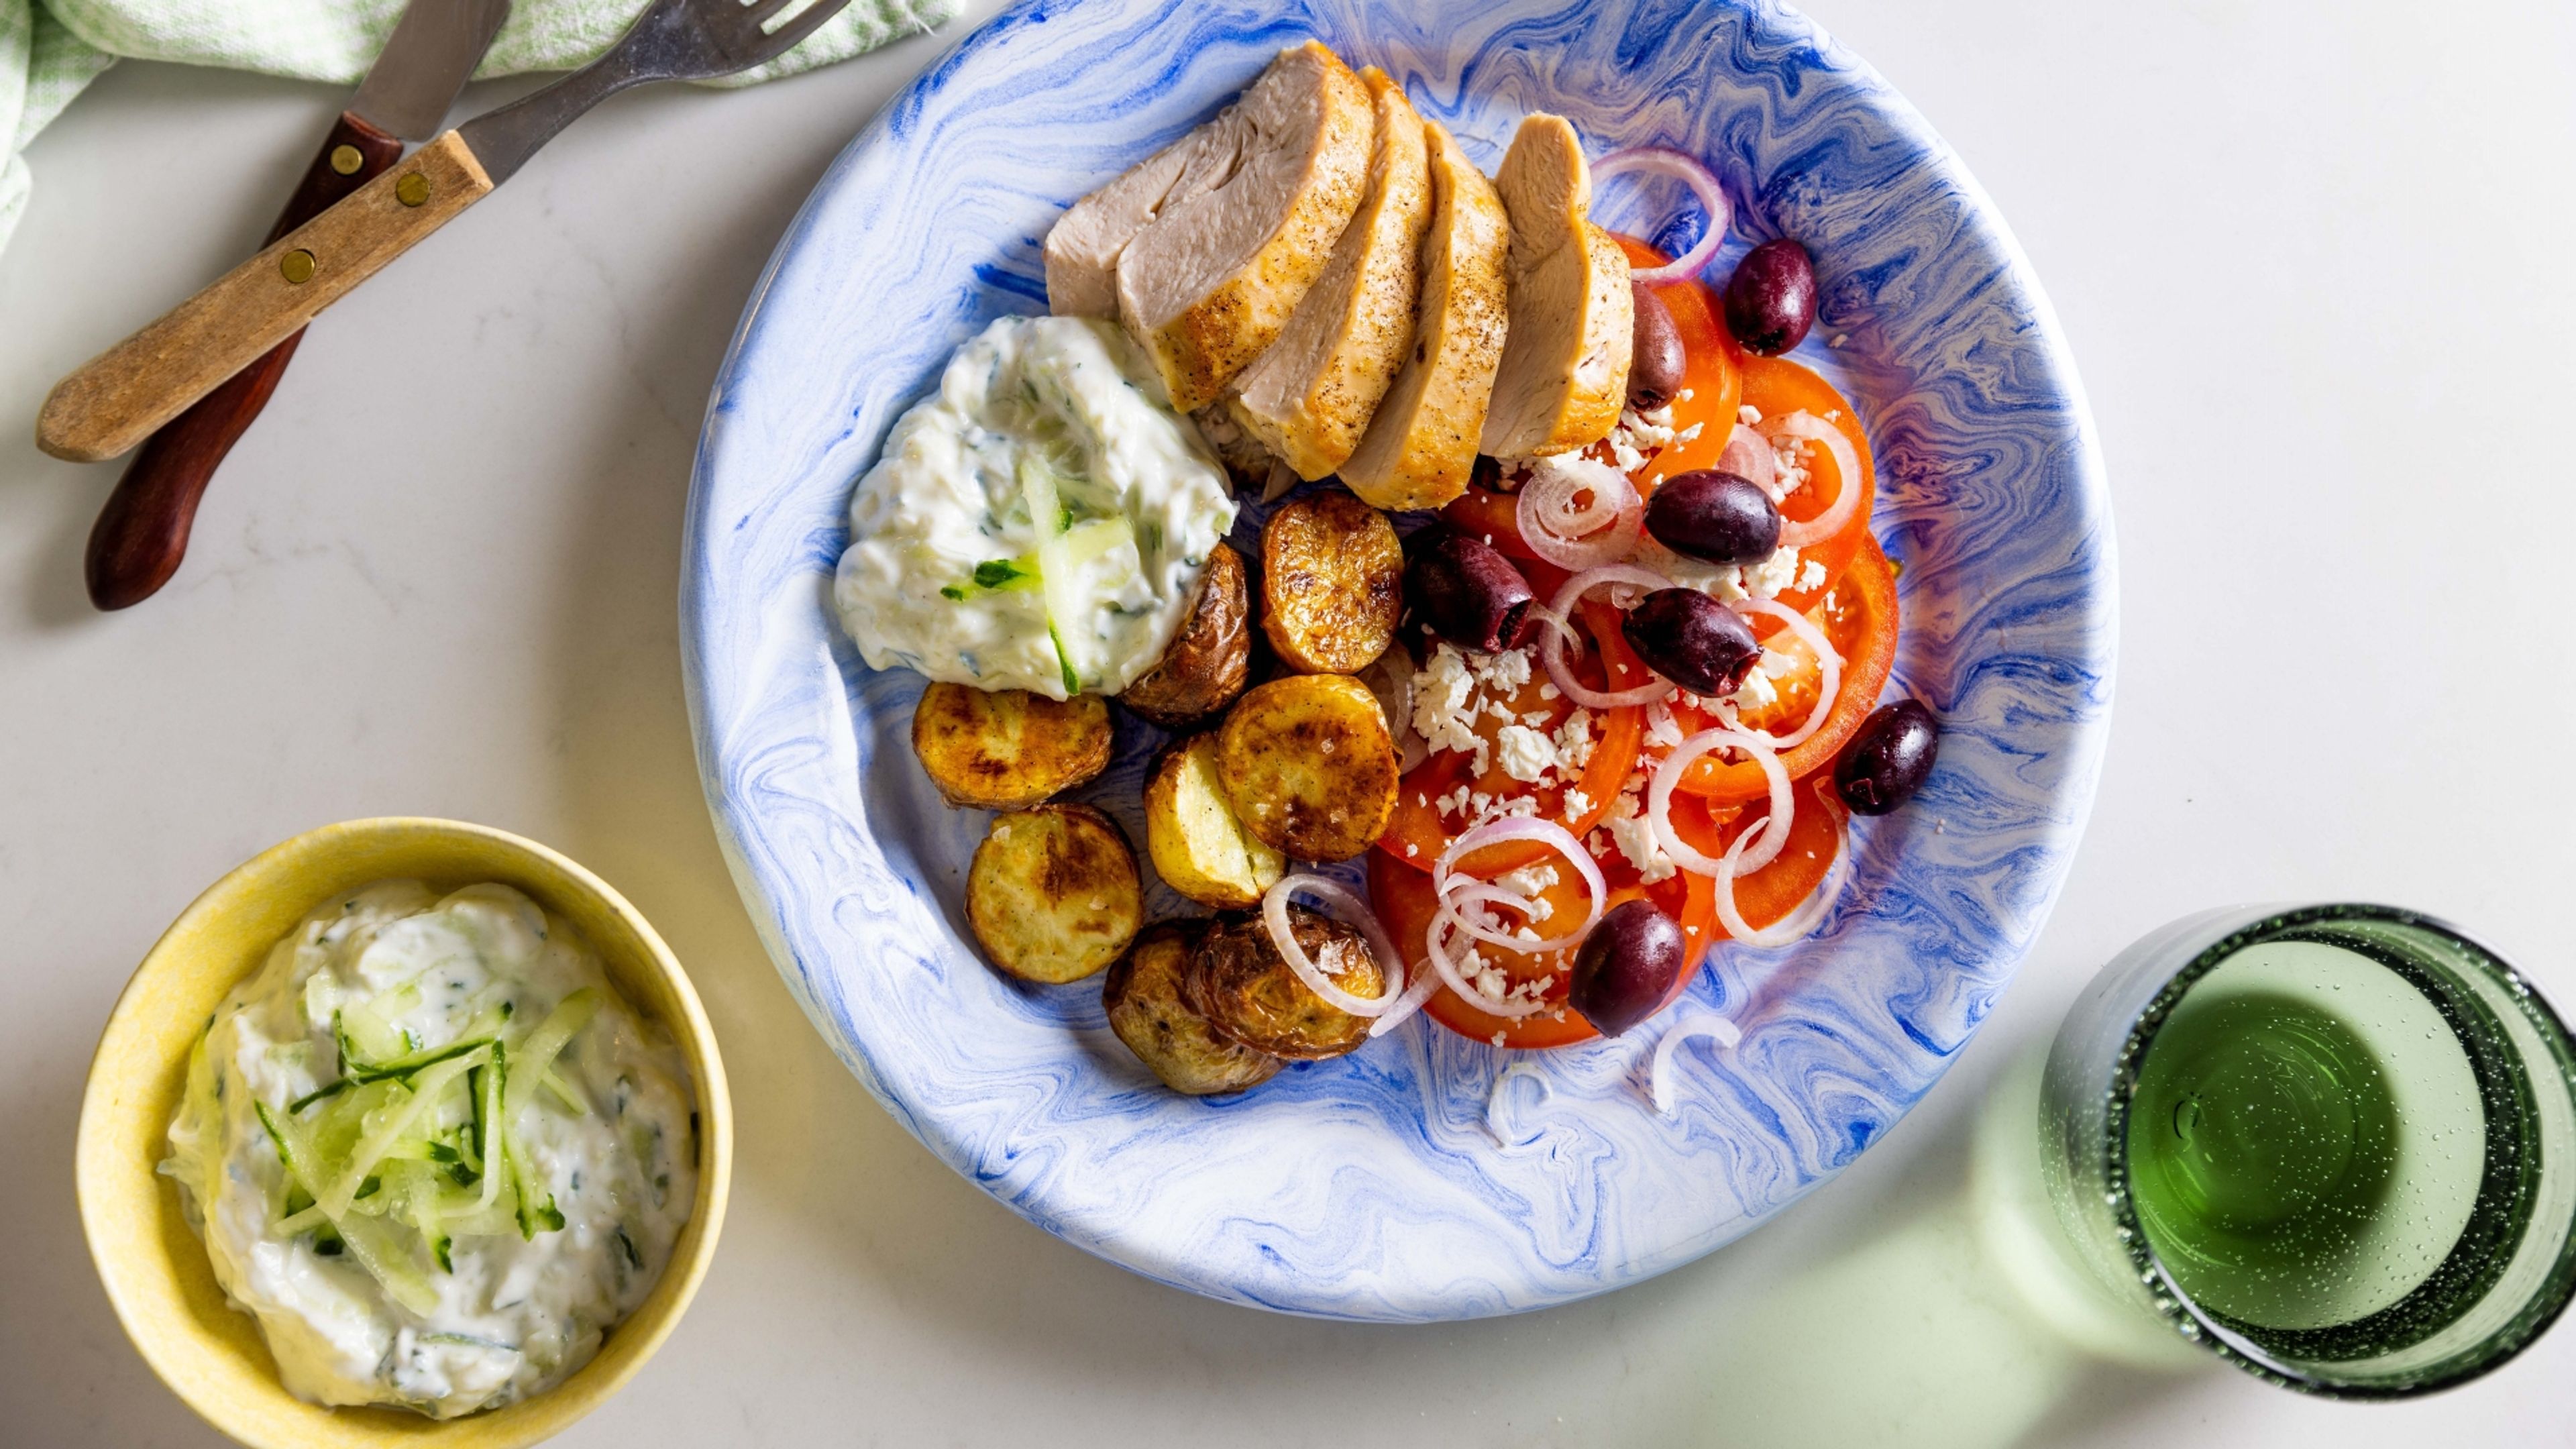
[{"x": 405, "y": 1129}]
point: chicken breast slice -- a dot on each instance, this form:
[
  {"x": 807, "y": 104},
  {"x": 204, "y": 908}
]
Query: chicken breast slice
[
  {"x": 1310, "y": 396},
  {"x": 1564, "y": 371},
  {"x": 1208, "y": 284},
  {"x": 1083, "y": 247},
  {"x": 1421, "y": 446}
]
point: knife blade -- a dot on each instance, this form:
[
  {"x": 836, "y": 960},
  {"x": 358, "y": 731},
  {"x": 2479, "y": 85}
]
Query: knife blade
[{"x": 142, "y": 532}]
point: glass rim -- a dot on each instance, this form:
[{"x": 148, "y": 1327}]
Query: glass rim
[{"x": 2176, "y": 1305}]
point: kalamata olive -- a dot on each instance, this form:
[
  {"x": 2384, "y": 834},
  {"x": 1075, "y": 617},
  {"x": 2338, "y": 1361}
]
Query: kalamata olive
[
  {"x": 1720, "y": 517},
  {"x": 1463, "y": 589},
  {"x": 1771, "y": 299},
  {"x": 1626, "y": 967},
  {"x": 1657, "y": 363},
  {"x": 1692, "y": 640},
  {"x": 1888, "y": 759}
]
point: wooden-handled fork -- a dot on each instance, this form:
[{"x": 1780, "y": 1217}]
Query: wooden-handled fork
[{"x": 121, "y": 396}]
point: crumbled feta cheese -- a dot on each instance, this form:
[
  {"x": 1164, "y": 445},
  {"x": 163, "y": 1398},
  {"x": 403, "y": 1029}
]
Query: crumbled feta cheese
[
  {"x": 1529, "y": 880},
  {"x": 1773, "y": 574},
  {"x": 1507, "y": 670},
  {"x": 1577, "y": 805},
  {"x": 1685, "y": 395},
  {"x": 1839, "y": 339},
  {"x": 1757, "y": 691},
  {"x": 1549, "y": 691},
  {"x": 1443, "y": 701},
  {"x": 1749, "y": 415},
  {"x": 1526, "y": 754},
  {"x": 1635, "y": 837},
  {"x": 1691, "y": 433},
  {"x": 1811, "y": 574},
  {"x": 1574, "y": 742}
]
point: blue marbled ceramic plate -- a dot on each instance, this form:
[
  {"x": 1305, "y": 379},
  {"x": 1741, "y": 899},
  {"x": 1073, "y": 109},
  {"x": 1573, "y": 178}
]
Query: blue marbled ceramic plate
[{"x": 1381, "y": 1186}]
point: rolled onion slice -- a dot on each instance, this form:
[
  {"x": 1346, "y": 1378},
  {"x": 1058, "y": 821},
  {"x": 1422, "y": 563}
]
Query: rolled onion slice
[
  {"x": 1353, "y": 912},
  {"x": 1599, "y": 532},
  {"x": 1551, "y": 651},
  {"x": 1496, "y": 832},
  {"x": 1795, "y": 926},
  {"x": 1798, "y": 533},
  {"x": 1690, "y": 172},
  {"x": 1436, "y": 939},
  {"x": 1698, "y": 1024},
  {"x": 1829, "y": 667},
  {"x": 1775, "y": 827}
]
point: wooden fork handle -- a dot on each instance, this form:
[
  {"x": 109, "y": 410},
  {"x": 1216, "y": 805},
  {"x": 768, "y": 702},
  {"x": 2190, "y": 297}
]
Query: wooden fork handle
[
  {"x": 142, "y": 533},
  {"x": 126, "y": 393}
]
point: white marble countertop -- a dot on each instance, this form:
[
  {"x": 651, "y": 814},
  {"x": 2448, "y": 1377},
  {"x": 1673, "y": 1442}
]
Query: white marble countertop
[{"x": 2312, "y": 259}]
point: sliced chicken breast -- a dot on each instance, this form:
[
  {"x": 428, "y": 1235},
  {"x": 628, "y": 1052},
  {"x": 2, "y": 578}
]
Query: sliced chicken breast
[
  {"x": 1207, "y": 285},
  {"x": 1310, "y": 397},
  {"x": 1421, "y": 446},
  {"x": 1564, "y": 371},
  {"x": 1083, "y": 247}
]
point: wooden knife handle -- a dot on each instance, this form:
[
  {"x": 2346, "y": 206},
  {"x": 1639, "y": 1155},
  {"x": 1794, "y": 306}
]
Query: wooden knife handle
[
  {"x": 123, "y": 395},
  {"x": 143, "y": 531}
]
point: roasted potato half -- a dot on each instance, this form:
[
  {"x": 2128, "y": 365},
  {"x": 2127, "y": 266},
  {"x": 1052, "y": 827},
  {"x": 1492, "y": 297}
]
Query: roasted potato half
[
  {"x": 1007, "y": 749},
  {"x": 1210, "y": 658},
  {"x": 1332, "y": 583},
  {"x": 1053, "y": 894},
  {"x": 1309, "y": 765},
  {"x": 1249, "y": 994},
  {"x": 1198, "y": 846},
  {"x": 1143, "y": 995}
]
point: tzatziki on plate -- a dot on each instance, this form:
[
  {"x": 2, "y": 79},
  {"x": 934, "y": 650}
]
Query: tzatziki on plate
[
  {"x": 432, "y": 1151},
  {"x": 1040, "y": 522}
]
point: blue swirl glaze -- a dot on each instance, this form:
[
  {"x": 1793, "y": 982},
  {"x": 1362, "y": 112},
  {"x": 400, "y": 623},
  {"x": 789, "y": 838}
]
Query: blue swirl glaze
[{"x": 1373, "y": 1187}]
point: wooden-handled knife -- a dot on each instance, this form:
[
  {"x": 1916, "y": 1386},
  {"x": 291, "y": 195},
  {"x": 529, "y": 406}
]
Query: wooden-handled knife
[{"x": 142, "y": 533}]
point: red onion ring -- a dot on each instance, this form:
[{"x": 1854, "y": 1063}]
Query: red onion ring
[
  {"x": 1523, "y": 827},
  {"x": 1551, "y": 651},
  {"x": 1798, "y": 923},
  {"x": 1691, "y": 172},
  {"x": 1493, "y": 895},
  {"x": 1569, "y": 537},
  {"x": 1829, "y": 668},
  {"x": 1420, "y": 982},
  {"x": 1748, "y": 456},
  {"x": 1353, "y": 911},
  {"x": 1775, "y": 826},
  {"x": 1797, "y": 533},
  {"x": 1698, "y": 1024},
  {"x": 1436, "y": 940}
]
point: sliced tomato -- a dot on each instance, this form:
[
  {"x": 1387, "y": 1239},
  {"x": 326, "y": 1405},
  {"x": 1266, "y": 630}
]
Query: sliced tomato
[
  {"x": 1777, "y": 387},
  {"x": 1714, "y": 376},
  {"x": 1859, "y": 619},
  {"x": 1405, "y": 906},
  {"x": 1420, "y": 830}
]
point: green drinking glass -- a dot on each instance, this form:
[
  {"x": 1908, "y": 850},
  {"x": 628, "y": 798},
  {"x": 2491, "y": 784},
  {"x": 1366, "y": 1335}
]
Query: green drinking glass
[{"x": 2334, "y": 1144}]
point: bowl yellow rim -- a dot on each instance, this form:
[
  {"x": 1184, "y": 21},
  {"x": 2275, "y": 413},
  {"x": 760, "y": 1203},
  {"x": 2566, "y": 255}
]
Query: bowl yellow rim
[{"x": 162, "y": 1286}]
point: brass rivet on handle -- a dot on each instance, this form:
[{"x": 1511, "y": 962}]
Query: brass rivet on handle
[
  {"x": 412, "y": 190},
  {"x": 296, "y": 266},
  {"x": 346, "y": 160}
]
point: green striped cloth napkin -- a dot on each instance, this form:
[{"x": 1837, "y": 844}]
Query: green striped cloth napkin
[{"x": 49, "y": 49}]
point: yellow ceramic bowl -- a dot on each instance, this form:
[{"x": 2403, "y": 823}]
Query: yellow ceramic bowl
[{"x": 153, "y": 1264}]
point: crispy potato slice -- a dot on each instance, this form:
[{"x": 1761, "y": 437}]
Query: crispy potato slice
[
  {"x": 1143, "y": 996},
  {"x": 1209, "y": 660},
  {"x": 1007, "y": 749},
  {"x": 1332, "y": 583},
  {"x": 1309, "y": 765},
  {"x": 1198, "y": 845},
  {"x": 1053, "y": 894},
  {"x": 1251, "y": 997}
]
